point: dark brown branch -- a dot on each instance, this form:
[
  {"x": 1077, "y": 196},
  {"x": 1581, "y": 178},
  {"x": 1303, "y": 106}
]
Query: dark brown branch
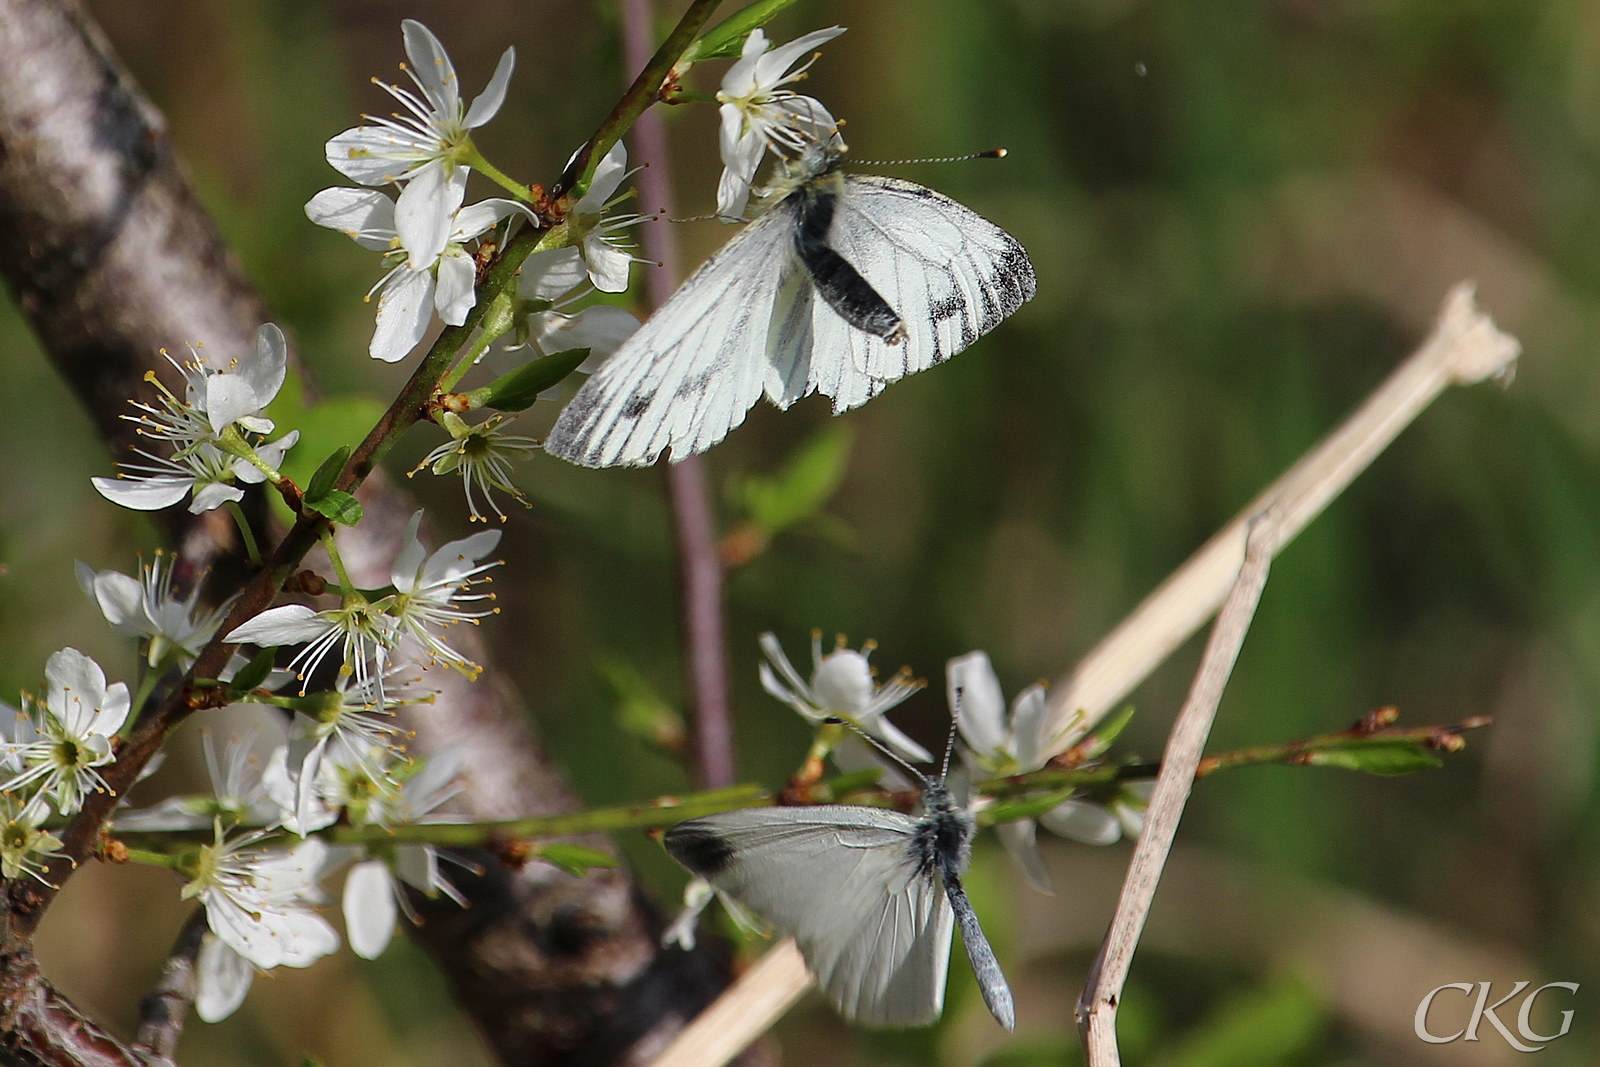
[
  {"x": 111, "y": 257},
  {"x": 166, "y": 1009},
  {"x": 705, "y": 655}
]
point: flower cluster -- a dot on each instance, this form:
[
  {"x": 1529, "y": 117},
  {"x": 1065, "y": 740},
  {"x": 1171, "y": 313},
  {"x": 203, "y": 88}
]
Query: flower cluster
[{"x": 216, "y": 429}]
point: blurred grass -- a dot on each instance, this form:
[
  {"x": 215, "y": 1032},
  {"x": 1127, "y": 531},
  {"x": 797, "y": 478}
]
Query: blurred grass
[{"x": 1241, "y": 215}]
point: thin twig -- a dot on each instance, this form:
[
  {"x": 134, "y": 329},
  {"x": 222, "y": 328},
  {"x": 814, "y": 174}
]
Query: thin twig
[
  {"x": 1465, "y": 347},
  {"x": 699, "y": 561},
  {"x": 721, "y": 1032},
  {"x": 163, "y": 1012},
  {"x": 1097, "y": 1010}
]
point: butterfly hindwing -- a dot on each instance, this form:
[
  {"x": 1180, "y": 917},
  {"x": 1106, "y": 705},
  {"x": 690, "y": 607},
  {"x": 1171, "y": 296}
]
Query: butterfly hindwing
[
  {"x": 950, "y": 274},
  {"x": 845, "y": 884}
]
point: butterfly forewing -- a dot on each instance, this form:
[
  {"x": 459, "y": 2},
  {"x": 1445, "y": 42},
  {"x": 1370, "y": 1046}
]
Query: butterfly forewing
[
  {"x": 951, "y": 274},
  {"x": 844, "y": 883},
  {"x": 692, "y": 371}
]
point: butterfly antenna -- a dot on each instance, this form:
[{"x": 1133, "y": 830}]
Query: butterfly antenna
[
  {"x": 950, "y": 742},
  {"x": 885, "y": 750},
  {"x": 993, "y": 153}
]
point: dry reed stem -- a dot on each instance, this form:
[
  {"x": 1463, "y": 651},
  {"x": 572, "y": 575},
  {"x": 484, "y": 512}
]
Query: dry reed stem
[{"x": 1465, "y": 347}]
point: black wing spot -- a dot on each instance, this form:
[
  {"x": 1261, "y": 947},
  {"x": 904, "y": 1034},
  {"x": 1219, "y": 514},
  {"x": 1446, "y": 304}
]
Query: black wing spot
[
  {"x": 946, "y": 308},
  {"x": 637, "y": 405},
  {"x": 694, "y": 386},
  {"x": 698, "y": 847}
]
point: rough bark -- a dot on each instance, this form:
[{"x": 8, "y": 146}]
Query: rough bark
[{"x": 111, "y": 257}]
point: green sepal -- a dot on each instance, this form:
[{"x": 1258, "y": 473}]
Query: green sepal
[
  {"x": 517, "y": 390},
  {"x": 1378, "y": 757},
  {"x": 321, "y": 483},
  {"x": 1099, "y": 741},
  {"x": 726, "y": 38},
  {"x": 1027, "y": 808},
  {"x": 252, "y": 674},
  {"x": 337, "y": 506},
  {"x": 575, "y": 859},
  {"x": 803, "y": 486}
]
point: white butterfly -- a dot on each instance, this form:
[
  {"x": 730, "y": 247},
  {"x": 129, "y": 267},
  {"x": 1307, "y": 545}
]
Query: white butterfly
[
  {"x": 845, "y": 284},
  {"x": 868, "y": 894}
]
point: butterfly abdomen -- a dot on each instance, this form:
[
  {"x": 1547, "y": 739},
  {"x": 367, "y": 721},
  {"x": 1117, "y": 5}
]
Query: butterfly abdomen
[{"x": 839, "y": 283}]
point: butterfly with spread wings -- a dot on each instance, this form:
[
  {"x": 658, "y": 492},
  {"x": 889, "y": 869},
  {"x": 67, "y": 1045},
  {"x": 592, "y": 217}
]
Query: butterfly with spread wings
[{"x": 845, "y": 284}]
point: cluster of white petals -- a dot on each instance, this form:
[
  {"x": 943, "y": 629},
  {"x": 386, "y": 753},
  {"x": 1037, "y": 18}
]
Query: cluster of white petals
[
  {"x": 1001, "y": 744},
  {"x": 760, "y": 115},
  {"x": 841, "y": 686},
  {"x": 216, "y": 431},
  {"x": 146, "y": 608},
  {"x": 59, "y": 746}
]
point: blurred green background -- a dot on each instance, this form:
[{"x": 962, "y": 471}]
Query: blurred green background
[{"x": 1243, "y": 215}]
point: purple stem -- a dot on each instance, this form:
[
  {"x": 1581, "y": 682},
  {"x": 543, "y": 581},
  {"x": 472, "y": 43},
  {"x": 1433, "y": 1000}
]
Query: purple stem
[{"x": 699, "y": 561}]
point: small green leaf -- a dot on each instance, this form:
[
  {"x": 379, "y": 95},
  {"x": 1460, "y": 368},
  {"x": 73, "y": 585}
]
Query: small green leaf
[
  {"x": 517, "y": 390},
  {"x": 1101, "y": 739},
  {"x": 252, "y": 674},
  {"x": 338, "y": 506},
  {"x": 321, "y": 483},
  {"x": 807, "y": 480},
  {"x": 1378, "y": 757},
  {"x": 575, "y": 859},
  {"x": 641, "y": 710},
  {"x": 726, "y": 38}
]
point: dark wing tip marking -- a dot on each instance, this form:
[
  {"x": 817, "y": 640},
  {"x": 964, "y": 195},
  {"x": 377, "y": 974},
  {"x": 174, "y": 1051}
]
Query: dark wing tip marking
[{"x": 698, "y": 847}]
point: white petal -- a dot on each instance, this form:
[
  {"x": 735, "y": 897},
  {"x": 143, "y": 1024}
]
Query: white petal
[
  {"x": 119, "y": 598},
  {"x": 899, "y": 743},
  {"x": 113, "y": 709},
  {"x": 975, "y": 696},
  {"x": 144, "y": 494},
  {"x": 473, "y": 219},
  {"x": 229, "y": 398},
  {"x": 488, "y": 102},
  {"x": 1027, "y": 727},
  {"x": 425, "y": 213},
  {"x": 842, "y": 682},
  {"x": 407, "y": 565},
  {"x": 454, "y": 558},
  {"x": 405, "y": 308},
  {"x": 1082, "y": 821},
  {"x": 1019, "y": 839},
  {"x": 601, "y": 329},
  {"x": 432, "y": 66},
  {"x": 272, "y": 452},
  {"x": 369, "y": 908},
  {"x": 364, "y": 215},
  {"x": 552, "y": 274},
  {"x": 608, "y": 174},
  {"x": 214, "y": 495},
  {"x": 288, "y": 625},
  {"x": 73, "y": 672},
  {"x": 266, "y": 372},
  {"x": 608, "y": 264},
  {"x": 375, "y": 155},
  {"x": 222, "y": 978},
  {"x": 739, "y": 80},
  {"x": 454, "y": 294},
  {"x": 771, "y": 68}
]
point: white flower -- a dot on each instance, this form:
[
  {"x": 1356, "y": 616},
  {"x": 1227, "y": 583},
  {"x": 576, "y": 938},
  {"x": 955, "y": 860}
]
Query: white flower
[
  {"x": 81, "y": 716},
  {"x": 485, "y": 456},
  {"x": 426, "y": 149},
  {"x": 363, "y": 631},
  {"x": 145, "y": 607},
  {"x": 758, "y": 113},
  {"x": 222, "y": 979},
  {"x": 433, "y": 591},
  {"x": 237, "y": 795},
  {"x": 372, "y": 892},
  {"x": 258, "y": 901},
  {"x": 842, "y": 687},
  {"x": 1001, "y": 745},
  {"x": 593, "y": 233},
  {"x": 409, "y": 295},
  {"x": 23, "y": 845},
  {"x": 207, "y": 430}
]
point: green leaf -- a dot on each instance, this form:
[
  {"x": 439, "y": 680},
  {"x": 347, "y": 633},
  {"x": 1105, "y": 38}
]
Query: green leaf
[
  {"x": 575, "y": 859},
  {"x": 517, "y": 390},
  {"x": 253, "y": 673},
  {"x": 1269, "y": 1026},
  {"x": 321, "y": 483},
  {"x": 807, "y": 480},
  {"x": 1102, "y": 738},
  {"x": 1378, "y": 757},
  {"x": 726, "y": 38},
  {"x": 338, "y": 506},
  {"x": 641, "y": 710}
]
